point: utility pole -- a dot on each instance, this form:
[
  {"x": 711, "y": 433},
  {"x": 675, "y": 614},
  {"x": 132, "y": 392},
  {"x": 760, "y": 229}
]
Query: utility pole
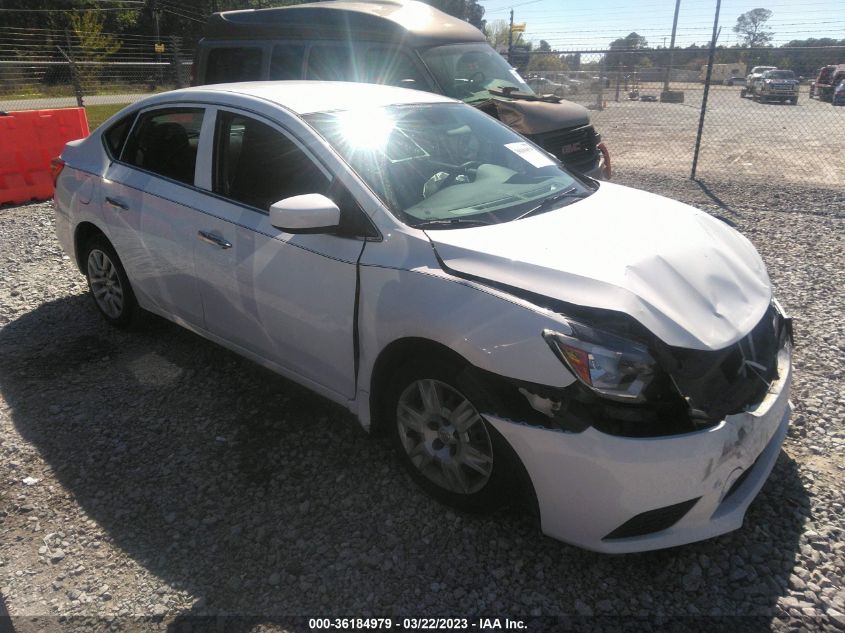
[
  {"x": 706, "y": 89},
  {"x": 671, "y": 47},
  {"x": 510, "y": 38}
]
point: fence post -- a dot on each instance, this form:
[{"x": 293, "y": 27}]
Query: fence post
[
  {"x": 74, "y": 73},
  {"x": 176, "y": 61},
  {"x": 600, "y": 96},
  {"x": 706, "y": 89}
]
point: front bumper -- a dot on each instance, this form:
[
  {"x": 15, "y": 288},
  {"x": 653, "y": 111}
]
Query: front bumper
[{"x": 589, "y": 484}]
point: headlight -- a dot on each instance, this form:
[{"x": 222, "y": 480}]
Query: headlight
[{"x": 608, "y": 364}]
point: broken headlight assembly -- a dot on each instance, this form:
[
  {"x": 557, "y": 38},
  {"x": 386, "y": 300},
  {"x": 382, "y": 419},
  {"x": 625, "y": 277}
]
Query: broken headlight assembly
[{"x": 609, "y": 365}]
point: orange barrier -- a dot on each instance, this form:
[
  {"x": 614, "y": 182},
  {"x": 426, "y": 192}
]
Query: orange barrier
[{"x": 29, "y": 140}]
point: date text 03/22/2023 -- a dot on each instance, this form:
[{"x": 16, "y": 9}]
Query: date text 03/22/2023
[{"x": 417, "y": 624}]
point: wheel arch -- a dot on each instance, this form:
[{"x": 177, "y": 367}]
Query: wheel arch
[
  {"x": 398, "y": 352},
  {"x": 83, "y": 232},
  {"x": 389, "y": 359}
]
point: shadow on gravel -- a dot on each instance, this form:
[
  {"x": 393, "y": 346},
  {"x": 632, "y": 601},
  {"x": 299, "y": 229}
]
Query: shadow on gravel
[
  {"x": 262, "y": 499},
  {"x": 716, "y": 200}
]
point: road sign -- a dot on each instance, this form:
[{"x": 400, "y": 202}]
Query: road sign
[{"x": 518, "y": 28}]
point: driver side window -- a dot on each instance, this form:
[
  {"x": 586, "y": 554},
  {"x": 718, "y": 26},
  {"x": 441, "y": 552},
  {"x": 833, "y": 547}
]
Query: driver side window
[{"x": 257, "y": 165}]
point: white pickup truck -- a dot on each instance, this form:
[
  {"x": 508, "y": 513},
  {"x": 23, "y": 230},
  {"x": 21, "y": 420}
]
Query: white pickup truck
[{"x": 753, "y": 79}]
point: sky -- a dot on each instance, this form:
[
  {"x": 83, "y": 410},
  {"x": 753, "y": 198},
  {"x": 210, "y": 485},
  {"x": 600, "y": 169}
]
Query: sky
[{"x": 572, "y": 25}]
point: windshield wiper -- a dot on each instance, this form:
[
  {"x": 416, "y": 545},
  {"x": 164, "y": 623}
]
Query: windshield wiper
[
  {"x": 549, "y": 201},
  {"x": 449, "y": 223}
]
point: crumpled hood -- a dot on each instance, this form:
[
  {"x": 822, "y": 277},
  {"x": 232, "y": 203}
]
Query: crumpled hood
[
  {"x": 537, "y": 117},
  {"x": 689, "y": 278}
]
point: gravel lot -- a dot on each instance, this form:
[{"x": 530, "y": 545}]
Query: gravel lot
[
  {"x": 155, "y": 474},
  {"x": 741, "y": 138}
]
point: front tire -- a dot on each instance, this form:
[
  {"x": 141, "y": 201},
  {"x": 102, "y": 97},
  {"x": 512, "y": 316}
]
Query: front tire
[
  {"x": 109, "y": 284},
  {"x": 450, "y": 451}
]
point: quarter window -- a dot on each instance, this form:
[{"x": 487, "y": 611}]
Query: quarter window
[
  {"x": 230, "y": 64},
  {"x": 165, "y": 143},
  {"x": 257, "y": 165},
  {"x": 116, "y": 135}
]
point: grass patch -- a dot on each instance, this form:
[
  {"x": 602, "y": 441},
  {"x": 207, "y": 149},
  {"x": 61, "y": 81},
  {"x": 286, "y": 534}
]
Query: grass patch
[{"x": 99, "y": 113}]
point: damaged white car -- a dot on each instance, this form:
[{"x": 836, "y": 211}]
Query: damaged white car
[{"x": 612, "y": 357}]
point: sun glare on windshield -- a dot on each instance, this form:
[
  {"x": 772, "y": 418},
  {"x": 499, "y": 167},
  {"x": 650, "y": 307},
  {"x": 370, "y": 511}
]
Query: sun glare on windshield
[{"x": 366, "y": 129}]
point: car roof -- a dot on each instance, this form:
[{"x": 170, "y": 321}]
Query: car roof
[
  {"x": 407, "y": 21},
  {"x": 307, "y": 97}
]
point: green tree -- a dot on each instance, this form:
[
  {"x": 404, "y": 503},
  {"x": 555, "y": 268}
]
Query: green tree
[
  {"x": 751, "y": 26},
  {"x": 497, "y": 34},
  {"x": 95, "y": 46},
  {"x": 466, "y": 10},
  {"x": 624, "y": 52}
]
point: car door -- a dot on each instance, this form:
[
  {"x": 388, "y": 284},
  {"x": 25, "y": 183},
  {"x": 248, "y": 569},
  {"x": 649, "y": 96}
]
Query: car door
[
  {"x": 149, "y": 199},
  {"x": 288, "y": 298}
]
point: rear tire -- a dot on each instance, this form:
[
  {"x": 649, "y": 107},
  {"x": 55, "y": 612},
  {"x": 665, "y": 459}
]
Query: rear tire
[
  {"x": 450, "y": 451},
  {"x": 108, "y": 283}
]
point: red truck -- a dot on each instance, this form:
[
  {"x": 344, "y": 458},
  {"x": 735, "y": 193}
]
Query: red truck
[{"x": 829, "y": 77}]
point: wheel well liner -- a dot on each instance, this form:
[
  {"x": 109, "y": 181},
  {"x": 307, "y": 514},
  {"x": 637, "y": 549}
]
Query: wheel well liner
[
  {"x": 392, "y": 356},
  {"x": 84, "y": 232}
]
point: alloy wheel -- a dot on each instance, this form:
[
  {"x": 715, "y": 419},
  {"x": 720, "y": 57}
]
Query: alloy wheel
[
  {"x": 105, "y": 283},
  {"x": 444, "y": 436}
]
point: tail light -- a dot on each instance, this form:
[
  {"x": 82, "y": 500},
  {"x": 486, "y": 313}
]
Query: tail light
[{"x": 56, "y": 167}]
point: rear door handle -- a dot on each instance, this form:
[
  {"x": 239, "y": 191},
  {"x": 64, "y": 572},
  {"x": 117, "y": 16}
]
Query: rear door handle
[
  {"x": 117, "y": 203},
  {"x": 210, "y": 238}
]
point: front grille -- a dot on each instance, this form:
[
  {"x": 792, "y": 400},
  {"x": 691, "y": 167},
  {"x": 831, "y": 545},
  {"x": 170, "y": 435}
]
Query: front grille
[
  {"x": 652, "y": 521},
  {"x": 729, "y": 381},
  {"x": 575, "y": 147}
]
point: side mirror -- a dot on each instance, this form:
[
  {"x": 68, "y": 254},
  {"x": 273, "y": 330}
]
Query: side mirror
[{"x": 308, "y": 213}]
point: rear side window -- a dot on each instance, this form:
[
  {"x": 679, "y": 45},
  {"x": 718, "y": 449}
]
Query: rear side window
[
  {"x": 116, "y": 135},
  {"x": 330, "y": 63},
  {"x": 165, "y": 143},
  {"x": 393, "y": 68},
  {"x": 257, "y": 165},
  {"x": 225, "y": 65},
  {"x": 286, "y": 62}
]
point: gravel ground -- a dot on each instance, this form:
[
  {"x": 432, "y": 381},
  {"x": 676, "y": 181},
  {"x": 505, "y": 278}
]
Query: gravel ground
[{"x": 156, "y": 475}]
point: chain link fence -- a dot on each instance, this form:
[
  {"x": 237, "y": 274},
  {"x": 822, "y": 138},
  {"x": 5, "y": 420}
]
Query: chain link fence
[
  {"x": 44, "y": 68},
  {"x": 649, "y": 116}
]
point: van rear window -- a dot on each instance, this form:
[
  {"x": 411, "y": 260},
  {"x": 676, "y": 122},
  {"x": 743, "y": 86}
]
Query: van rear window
[{"x": 233, "y": 64}]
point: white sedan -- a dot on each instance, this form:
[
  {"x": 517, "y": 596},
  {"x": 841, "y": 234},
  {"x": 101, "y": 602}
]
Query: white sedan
[{"x": 613, "y": 359}]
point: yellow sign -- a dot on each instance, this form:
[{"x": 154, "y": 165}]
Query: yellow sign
[
  {"x": 159, "y": 48},
  {"x": 518, "y": 28}
]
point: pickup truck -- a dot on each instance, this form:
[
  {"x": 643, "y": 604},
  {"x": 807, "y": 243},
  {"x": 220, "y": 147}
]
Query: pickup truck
[
  {"x": 829, "y": 77},
  {"x": 777, "y": 85},
  {"x": 753, "y": 77}
]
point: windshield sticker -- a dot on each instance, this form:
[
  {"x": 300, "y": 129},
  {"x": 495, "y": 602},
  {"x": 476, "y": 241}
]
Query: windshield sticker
[{"x": 530, "y": 154}]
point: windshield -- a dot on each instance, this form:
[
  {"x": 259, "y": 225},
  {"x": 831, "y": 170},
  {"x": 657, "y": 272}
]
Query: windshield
[
  {"x": 780, "y": 74},
  {"x": 469, "y": 71},
  {"x": 446, "y": 165}
]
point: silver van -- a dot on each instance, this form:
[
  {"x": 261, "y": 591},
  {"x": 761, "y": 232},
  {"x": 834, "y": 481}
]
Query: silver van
[{"x": 397, "y": 42}]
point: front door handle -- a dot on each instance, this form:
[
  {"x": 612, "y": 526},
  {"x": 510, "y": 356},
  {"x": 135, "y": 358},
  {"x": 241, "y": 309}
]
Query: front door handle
[
  {"x": 117, "y": 203},
  {"x": 209, "y": 238}
]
